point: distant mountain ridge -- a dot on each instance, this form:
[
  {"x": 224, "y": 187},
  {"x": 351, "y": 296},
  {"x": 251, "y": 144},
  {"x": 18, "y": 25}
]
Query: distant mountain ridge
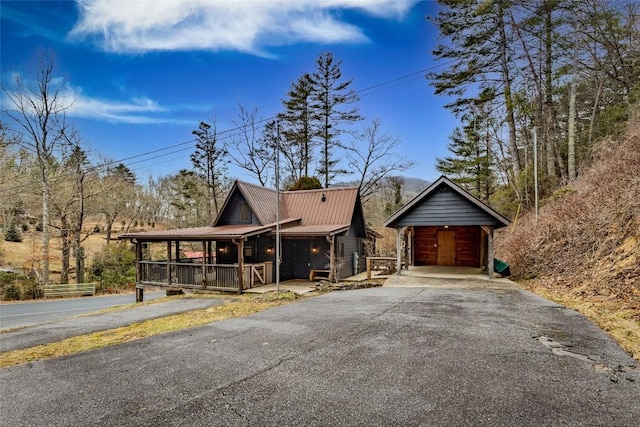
[{"x": 411, "y": 187}]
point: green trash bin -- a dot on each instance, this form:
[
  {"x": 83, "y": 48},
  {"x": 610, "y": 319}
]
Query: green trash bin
[{"x": 501, "y": 267}]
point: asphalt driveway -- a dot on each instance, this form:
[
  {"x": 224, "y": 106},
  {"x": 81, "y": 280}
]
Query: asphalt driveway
[{"x": 438, "y": 355}]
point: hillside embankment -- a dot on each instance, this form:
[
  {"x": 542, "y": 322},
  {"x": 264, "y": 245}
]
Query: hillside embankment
[{"x": 584, "y": 249}]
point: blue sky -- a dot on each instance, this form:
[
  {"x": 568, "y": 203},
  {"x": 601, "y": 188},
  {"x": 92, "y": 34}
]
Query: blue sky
[{"x": 143, "y": 74}]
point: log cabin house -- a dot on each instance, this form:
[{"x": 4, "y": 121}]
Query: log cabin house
[
  {"x": 447, "y": 226},
  {"x": 322, "y": 233}
]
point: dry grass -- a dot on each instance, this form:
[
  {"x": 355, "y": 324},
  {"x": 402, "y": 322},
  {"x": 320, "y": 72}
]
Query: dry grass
[
  {"x": 26, "y": 254},
  {"x": 618, "y": 319},
  {"x": 242, "y": 306}
]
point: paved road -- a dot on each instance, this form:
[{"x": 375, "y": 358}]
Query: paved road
[
  {"x": 45, "y": 333},
  {"x": 442, "y": 356},
  {"x": 30, "y": 313}
]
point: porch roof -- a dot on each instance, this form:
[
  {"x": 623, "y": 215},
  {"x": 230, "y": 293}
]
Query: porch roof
[
  {"x": 290, "y": 227},
  {"x": 223, "y": 232},
  {"x": 314, "y": 230}
]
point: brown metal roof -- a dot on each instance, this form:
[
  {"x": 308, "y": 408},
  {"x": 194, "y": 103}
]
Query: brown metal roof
[
  {"x": 335, "y": 208},
  {"x": 262, "y": 201},
  {"x": 314, "y": 230},
  {"x": 312, "y": 212},
  {"x": 199, "y": 233}
]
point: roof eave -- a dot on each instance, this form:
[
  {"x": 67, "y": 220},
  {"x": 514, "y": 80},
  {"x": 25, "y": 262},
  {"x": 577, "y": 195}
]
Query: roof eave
[
  {"x": 196, "y": 237},
  {"x": 327, "y": 233},
  {"x": 390, "y": 222}
]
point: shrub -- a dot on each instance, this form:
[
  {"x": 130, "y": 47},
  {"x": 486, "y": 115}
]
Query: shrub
[
  {"x": 306, "y": 183},
  {"x": 12, "y": 233},
  {"x": 11, "y": 292},
  {"x": 25, "y": 227},
  {"x": 15, "y": 286},
  {"x": 114, "y": 268}
]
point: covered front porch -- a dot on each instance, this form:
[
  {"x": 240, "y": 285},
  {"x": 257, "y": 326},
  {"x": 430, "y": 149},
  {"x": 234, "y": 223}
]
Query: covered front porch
[
  {"x": 227, "y": 258},
  {"x": 204, "y": 275}
]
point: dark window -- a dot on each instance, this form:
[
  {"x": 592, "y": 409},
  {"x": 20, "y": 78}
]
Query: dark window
[
  {"x": 245, "y": 212},
  {"x": 341, "y": 250}
]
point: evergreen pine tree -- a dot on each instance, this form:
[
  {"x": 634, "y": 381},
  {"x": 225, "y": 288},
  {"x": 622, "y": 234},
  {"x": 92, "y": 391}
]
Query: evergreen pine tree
[
  {"x": 335, "y": 106},
  {"x": 12, "y": 233},
  {"x": 299, "y": 125},
  {"x": 470, "y": 163}
]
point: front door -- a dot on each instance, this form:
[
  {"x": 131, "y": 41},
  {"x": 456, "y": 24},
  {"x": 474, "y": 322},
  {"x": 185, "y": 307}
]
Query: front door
[
  {"x": 446, "y": 247},
  {"x": 295, "y": 259}
]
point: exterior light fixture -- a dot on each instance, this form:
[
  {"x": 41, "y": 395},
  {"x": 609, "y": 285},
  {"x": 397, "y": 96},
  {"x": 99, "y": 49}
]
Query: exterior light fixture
[
  {"x": 446, "y": 226},
  {"x": 269, "y": 250},
  {"x": 324, "y": 197},
  {"x": 314, "y": 249},
  {"x": 222, "y": 249}
]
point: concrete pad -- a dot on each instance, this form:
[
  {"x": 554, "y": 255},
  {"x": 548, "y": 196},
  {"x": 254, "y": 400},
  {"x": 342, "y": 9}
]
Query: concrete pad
[
  {"x": 412, "y": 280},
  {"x": 300, "y": 287}
]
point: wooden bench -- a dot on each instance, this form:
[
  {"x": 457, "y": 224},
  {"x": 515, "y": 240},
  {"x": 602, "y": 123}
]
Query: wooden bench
[
  {"x": 69, "y": 289},
  {"x": 324, "y": 274}
]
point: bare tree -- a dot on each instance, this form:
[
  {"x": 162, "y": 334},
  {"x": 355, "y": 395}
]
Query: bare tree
[
  {"x": 121, "y": 181},
  {"x": 374, "y": 158},
  {"x": 38, "y": 108},
  {"x": 250, "y": 150}
]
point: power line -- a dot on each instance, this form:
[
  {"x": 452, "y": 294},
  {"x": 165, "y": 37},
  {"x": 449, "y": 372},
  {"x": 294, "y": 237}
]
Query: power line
[{"x": 231, "y": 132}]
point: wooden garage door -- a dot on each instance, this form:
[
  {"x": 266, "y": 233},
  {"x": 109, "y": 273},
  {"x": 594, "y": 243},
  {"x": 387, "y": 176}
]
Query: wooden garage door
[
  {"x": 428, "y": 242},
  {"x": 425, "y": 243}
]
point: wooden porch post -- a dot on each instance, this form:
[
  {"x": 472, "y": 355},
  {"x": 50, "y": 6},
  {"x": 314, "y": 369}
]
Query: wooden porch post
[
  {"x": 204, "y": 262},
  {"x": 169, "y": 262},
  {"x": 483, "y": 249},
  {"x": 240, "y": 245},
  {"x": 139, "y": 291},
  {"x": 398, "y": 250},
  {"x": 407, "y": 239},
  {"x": 489, "y": 231},
  {"x": 332, "y": 257}
]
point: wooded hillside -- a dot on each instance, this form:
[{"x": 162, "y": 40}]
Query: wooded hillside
[{"x": 585, "y": 244}]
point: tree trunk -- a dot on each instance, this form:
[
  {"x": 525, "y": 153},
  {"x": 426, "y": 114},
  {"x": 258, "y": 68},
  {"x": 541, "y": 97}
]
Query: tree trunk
[
  {"x": 548, "y": 88},
  {"x": 506, "y": 77},
  {"x": 571, "y": 147},
  {"x": 108, "y": 228},
  {"x": 65, "y": 250},
  {"x": 46, "y": 236},
  {"x": 79, "y": 255}
]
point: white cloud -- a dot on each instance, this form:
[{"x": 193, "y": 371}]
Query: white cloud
[
  {"x": 136, "y": 110},
  {"x": 133, "y": 111},
  {"x": 245, "y": 26}
]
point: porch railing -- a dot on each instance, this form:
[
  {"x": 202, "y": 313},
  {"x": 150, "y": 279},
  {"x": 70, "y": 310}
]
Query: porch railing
[
  {"x": 381, "y": 266},
  {"x": 216, "y": 277}
]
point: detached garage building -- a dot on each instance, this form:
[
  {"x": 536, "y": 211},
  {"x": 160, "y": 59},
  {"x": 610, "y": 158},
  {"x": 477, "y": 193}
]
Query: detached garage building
[{"x": 445, "y": 225}]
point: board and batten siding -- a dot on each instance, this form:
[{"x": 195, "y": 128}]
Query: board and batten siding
[
  {"x": 350, "y": 245},
  {"x": 446, "y": 207},
  {"x": 231, "y": 214}
]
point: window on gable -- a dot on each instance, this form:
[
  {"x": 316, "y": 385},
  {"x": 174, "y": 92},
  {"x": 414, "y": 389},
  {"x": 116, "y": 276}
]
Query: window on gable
[{"x": 245, "y": 212}]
